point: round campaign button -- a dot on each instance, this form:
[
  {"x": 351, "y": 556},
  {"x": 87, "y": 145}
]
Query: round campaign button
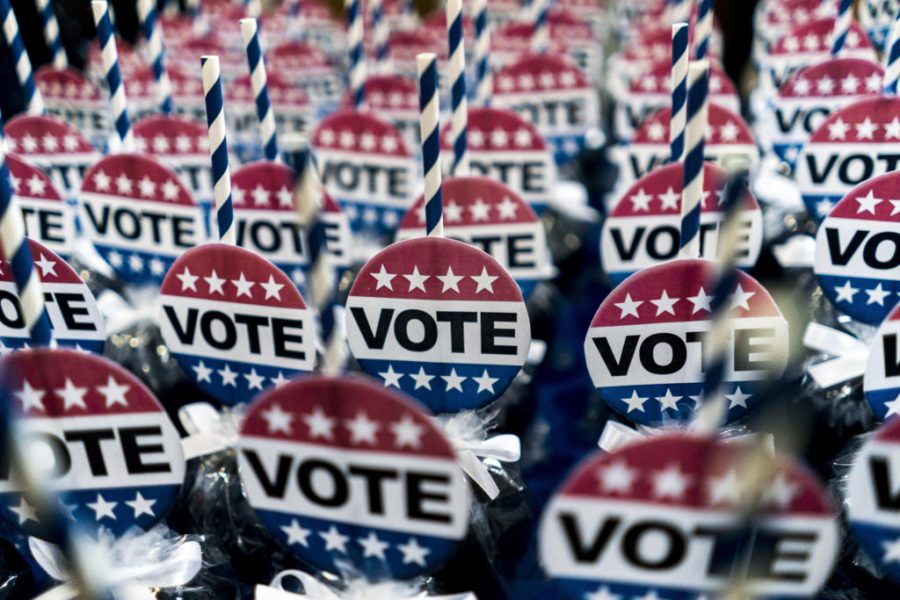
[
  {"x": 235, "y": 322},
  {"x": 854, "y": 144},
  {"x": 98, "y": 436},
  {"x": 881, "y": 381},
  {"x": 48, "y": 218},
  {"x": 809, "y": 96},
  {"x": 304, "y": 64},
  {"x": 367, "y": 167},
  {"x": 666, "y": 518},
  {"x": 439, "y": 320},
  {"x": 729, "y": 142},
  {"x": 570, "y": 35},
  {"x": 858, "y": 250},
  {"x": 550, "y": 91},
  {"x": 506, "y": 147},
  {"x": 267, "y": 223},
  {"x": 139, "y": 215},
  {"x": 490, "y": 216},
  {"x": 645, "y": 347},
  {"x": 643, "y": 228},
  {"x": 344, "y": 472},
  {"x": 396, "y": 99},
  {"x": 57, "y": 148},
  {"x": 405, "y": 44},
  {"x": 187, "y": 93},
  {"x": 872, "y": 498},
  {"x": 74, "y": 315},
  {"x": 75, "y": 100}
]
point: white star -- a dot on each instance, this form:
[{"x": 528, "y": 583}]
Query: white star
[
  {"x": 319, "y": 424},
  {"x": 296, "y": 534},
  {"x": 701, "y": 301},
  {"x": 113, "y": 392},
  {"x": 202, "y": 372},
  {"x": 156, "y": 266},
  {"x": 801, "y": 86},
  {"x": 892, "y": 129},
  {"x": 51, "y": 144},
  {"x": 389, "y": 143},
  {"x": 367, "y": 142},
  {"x": 215, "y": 283},
  {"x": 243, "y": 286},
  {"x": 413, "y": 552},
  {"x": 499, "y": 138},
  {"x": 671, "y": 482},
  {"x": 452, "y": 212},
  {"x": 873, "y": 83},
  {"x": 147, "y": 187},
  {"x": 188, "y": 280},
  {"x": 102, "y": 508},
  {"x": 877, "y": 295},
  {"x": 260, "y": 195},
  {"x": 602, "y": 593},
  {"x": 664, "y": 304},
  {"x": 383, "y": 279},
  {"x": 450, "y": 281},
  {"x": 228, "y": 376},
  {"x": 170, "y": 190},
  {"x": 416, "y": 280},
  {"x": 845, "y": 292},
  {"x": 635, "y": 402},
  {"x": 391, "y": 377},
  {"x": 273, "y": 289},
  {"x": 838, "y": 129},
  {"x": 729, "y": 131},
  {"x": 617, "y": 477},
  {"x": 893, "y": 407},
  {"x": 422, "y": 379},
  {"x": 741, "y": 298},
  {"x": 656, "y": 131},
  {"x": 480, "y": 210},
  {"x": 507, "y": 209},
  {"x": 279, "y": 380},
  {"x": 725, "y": 489},
  {"x": 781, "y": 491},
  {"x": 891, "y": 551},
  {"x": 46, "y": 266},
  {"x": 347, "y": 139},
  {"x": 135, "y": 262},
  {"x": 823, "y": 207},
  {"x": 629, "y": 307},
  {"x": 101, "y": 181},
  {"x": 285, "y": 198},
  {"x": 238, "y": 195},
  {"x": 454, "y": 381},
  {"x": 523, "y": 138},
  {"x": 484, "y": 281},
  {"x": 334, "y": 540},
  {"x": 363, "y": 430},
  {"x": 407, "y": 433},
  {"x": 115, "y": 259},
  {"x": 485, "y": 382},
  {"x": 30, "y": 397},
  {"x": 825, "y": 86},
  {"x": 29, "y": 143},
  {"x": 670, "y": 200},
  {"x": 141, "y": 505},
  {"x": 866, "y": 129},
  {"x": 25, "y": 511},
  {"x": 124, "y": 185},
  {"x": 373, "y": 546},
  {"x": 738, "y": 398},
  {"x": 72, "y": 396},
  {"x": 277, "y": 419},
  {"x": 640, "y": 202},
  {"x": 868, "y": 203},
  {"x": 668, "y": 401},
  {"x": 36, "y": 185},
  {"x": 850, "y": 84}
]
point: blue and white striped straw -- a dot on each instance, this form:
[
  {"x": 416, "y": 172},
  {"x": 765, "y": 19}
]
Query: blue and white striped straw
[
  {"x": 540, "y": 37},
  {"x": 218, "y": 147},
  {"x": 692, "y": 191},
  {"x": 34, "y": 102},
  {"x": 678, "y": 10},
  {"x": 458, "y": 105},
  {"x": 380, "y": 35},
  {"x": 113, "y": 75},
  {"x": 259, "y": 82},
  {"x": 153, "y": 34},
  {"x": 703, "y": 31},
  {"x": 252, "y": 9},
  {"x": 51, "y": 33},
  {"x": 357, "y": 56},
  {"x": 892, "y": 58},
  {"x": 842, "y": 23},
  {"x": 484, "y": 79},
  {"x": 679, "y": 90},
  {"x": 429, "y": 126}
]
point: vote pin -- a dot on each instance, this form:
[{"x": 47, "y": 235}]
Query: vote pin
[
  {"x": 236, "y": 324},
  {"x": 439, "y": 320},
  {"x": 664, "y": 518},
  {"x": 872, "y": 499},
  {"x": 643, "y": 228},
  {"x": 56, "y": 147},
  {"x": 395, "y": 98},
  {"x": 505, "y": 146},
  {"x": 645, "y": 347},
  {"x": 307, "y": 66},
  {"x": 857, "y": 251},
  {"x": 490, "y": 216},
  {"x": 551, "y": 92},
  {"x": 101, "y": 439},
  {"x": 881, "y": 382},
  {"x": 811, "y": 95},
  {"x": 349, "y": 475},
  {"x": 571, "y": 35},
  {"x": 74, "y": 315},
  {"x": 854, "y": 144},
  {"x": 74, "y": 100},
  {"x": 139, "y": 215}
]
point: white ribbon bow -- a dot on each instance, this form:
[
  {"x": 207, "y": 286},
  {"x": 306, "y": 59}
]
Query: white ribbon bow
[
  {"x": 361, "y": 590},
  {"x": 136, "y": 563},
  {"x": 851, "y": 355},
  {"x": 208, "y": 429},
  {"x": 466, "y": 432}
]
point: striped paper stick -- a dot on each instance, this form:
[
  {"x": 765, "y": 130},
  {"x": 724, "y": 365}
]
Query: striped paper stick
[
  {"x": 484, "y": 79},
  {"x": 154, "y": 36},
  {"x": 34, "y": 102},
  {"x": 357, "y": 63},
  {"x": 892, "y": 58},
  {"x": 51, "y": 33},
  {"x": 841, "y": 26},
  {"x": 458, "y": 104},
  {"x": 679, "y": 90},
  {"x": 703, "y": 31},
  {"x": 259, "y": 82},
  {"x": 218, "y": 147},
  {"x": 380, "y": 34},
  {"x": 113, "y": 75},
  {"x": 692, "y": 192},
  {"x": 429, "y": 125}
]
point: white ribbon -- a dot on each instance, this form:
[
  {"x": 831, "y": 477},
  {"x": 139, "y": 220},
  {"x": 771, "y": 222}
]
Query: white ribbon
[
  {"x": 132, "y": 565},
  {"x": 851, "y": 355},
  {"x": 466, "y": 432},
  {"x": 356, "y": 590},
  {"x": 208, "y": 429}
]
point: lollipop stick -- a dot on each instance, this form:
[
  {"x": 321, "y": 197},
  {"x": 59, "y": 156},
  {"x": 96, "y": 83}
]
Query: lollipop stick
[
  {"x": 484, "y": 80},
  {"x": 34, "y": 102},
  {"x": 458, "y": 102},
  {"x": 703, "y": 30},
  {"x": 113, "y": 75},
  {"x": 153, "y": 35},
  {"x": 51, "y": 33},
  {"x": 429, "y": 124},
  {"x": 692, "y": 191},
  {"x": 678, "y": 120},
  {"x": 218, "y": 147},
  {"x": 259, "y": 82}
]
